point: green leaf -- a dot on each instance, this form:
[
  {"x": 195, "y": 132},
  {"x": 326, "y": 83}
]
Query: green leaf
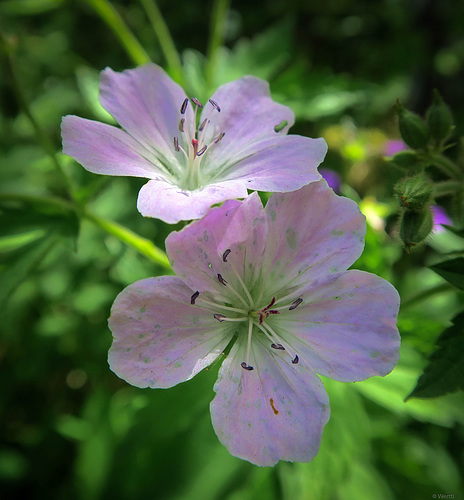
[
  {"x": 445, "y": 371},
  {"x": 452, "y": 271}
]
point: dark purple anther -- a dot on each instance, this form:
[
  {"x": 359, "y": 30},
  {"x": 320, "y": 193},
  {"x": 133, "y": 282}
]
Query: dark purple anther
[
  {"x": 181, "y": 124},
  {"x": 279, "y": 347},
  {"x": 221, "y": 280},
  {"x": 246, "y": 367},
  {"x": 197, "y": 102},
  {"x": 219, "y": 137},
  {"x": 194, "y": 297},
  {"x": 226, "y": 254},
  {"x": 295, "y": 304},
  {"x": 295, "y": 360},
  {"x": 203, "y": 124},
  {"x": 220, "y": 317},
  {"x": 183, "y": 108},
  {"x": 176, "y": 144},
  {"x": 215, "y": 105},
  {"x": 202, "y": 150}
]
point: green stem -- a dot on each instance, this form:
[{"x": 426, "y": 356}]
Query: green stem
[
  {"x": 144, "y": 246},
  {"x": 447, "y": 166},
  {"x": 445, "y": 188},
  {"x": 165, "y": 40},
  {"x": 112, "y": 18},
  {"x": 41, "y": 136},
  {"x": 216, "y": 40}
]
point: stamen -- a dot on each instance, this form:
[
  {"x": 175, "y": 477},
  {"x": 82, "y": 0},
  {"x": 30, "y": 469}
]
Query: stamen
[
  {"x": 215, "y": 105},
  {"x": 279, "y": 347},
  {"x": 250, "y": 299},
  {"x": 203, "y": 124},
  {"x": 295, "y": 304},
  {"x": 276, "y": 341},
  {"x": 295, "y": 360},
  {"x": 181, "y": 124},
  {"x": 176, "y": 144},
  {"x": 194, "y": 297},
  {"x": 219, "y": 137},
  {"x": 213, "y": 306},
  {"x": 270, "y": 304},
  {"x": 220, "y": 317},
  {"x": 202, "y": 150},
  {"x": 246, "y": 367},
  {"x": 183, "y": 108},
  {"x": 195, "y": 147},
  {"x": 225, "y": 255},
  {"x": 221, "y": 280},
  {"x": 197, "y": 102}
]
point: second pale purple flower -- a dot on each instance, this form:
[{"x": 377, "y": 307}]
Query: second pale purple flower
[
  {"x": 273, "y": 282},
  {"x": 194, "y": 154}
]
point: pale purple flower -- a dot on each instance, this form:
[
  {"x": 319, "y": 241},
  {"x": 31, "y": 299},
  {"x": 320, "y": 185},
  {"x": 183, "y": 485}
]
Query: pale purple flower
[
  {"x": 273, "y": 279},
  {"x": 440, "y": 218},
  {"x": 192, "y": 162},
  {"x": 394, "y": 146},
  {"x": 332, "y": 178}
]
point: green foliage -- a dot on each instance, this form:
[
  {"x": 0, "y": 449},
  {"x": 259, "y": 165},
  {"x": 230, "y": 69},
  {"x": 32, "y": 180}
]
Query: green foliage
[
  {"x": 445, "y": 371},
  {"x": 70, "y": 241},
  {"x": 452, "y": 271}
]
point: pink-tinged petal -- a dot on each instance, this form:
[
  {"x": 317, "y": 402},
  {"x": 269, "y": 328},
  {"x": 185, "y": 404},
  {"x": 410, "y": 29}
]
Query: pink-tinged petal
[
  {"x": 197, "y": 252},
  {"x": 168, "y": 202},
  {"x": 345, "y": 328},
  {"x": 104, "y": 149},
  {"x": 160, "y": 339},
  {"x": 278, "y": 164},
  {"x": 312, "y": 233},
  {"x": 248, "y": 114},
  {"x": 275, "y": 412},
  {"x": 146, "y": 103}
]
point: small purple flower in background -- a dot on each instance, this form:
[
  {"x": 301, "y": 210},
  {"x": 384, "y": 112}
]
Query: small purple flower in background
[
  {"x": 440, "y": 217},
  {"x": 275, "y": 280},
  {"x": 239, "y": 142},
  {"x": 332, "y": 178},
  {"x": 394, "y": 146}
]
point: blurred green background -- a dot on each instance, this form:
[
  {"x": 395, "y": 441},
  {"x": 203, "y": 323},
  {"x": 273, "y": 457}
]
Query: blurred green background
[{"x": 69, "y": 427}]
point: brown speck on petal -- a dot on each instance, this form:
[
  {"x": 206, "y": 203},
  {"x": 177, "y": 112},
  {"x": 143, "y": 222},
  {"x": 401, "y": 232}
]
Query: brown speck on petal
[{"x": 274, "y": 409}]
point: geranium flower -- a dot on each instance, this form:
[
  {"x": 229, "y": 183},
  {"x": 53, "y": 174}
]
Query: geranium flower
[
  {"x": 239, "y": 142},
  {"x": 273, "y": 279}
]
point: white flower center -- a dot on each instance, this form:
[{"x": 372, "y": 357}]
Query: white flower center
[
  {"x": 195, "y": 142},
  {"x": 249, "y": 311}
]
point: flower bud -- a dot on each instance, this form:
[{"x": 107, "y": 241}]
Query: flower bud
[
  {"x": 408, "y": 160},
  {"x": 439, "y": 118},
  {"x": 415, "y": 227},
  {"x": 413, "y": 129},
  {"x": 414, "y": 193}
]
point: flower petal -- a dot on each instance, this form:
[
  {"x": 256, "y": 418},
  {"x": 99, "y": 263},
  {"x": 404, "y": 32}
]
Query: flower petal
[
  {"x": 196, "y": 252},
  {"x": 146, "y": 103},
  {"x": 278, "y": 164},
  {"x": 275, "y": 412},
  {"x": 160, "y": 339},
  {"x": 345, "y": 328},
  {"x": 104, "y": 149},
  {"x": 168, "y": 202},
  {"x": 248, "y": 114},
  {"x": 313, "y": 233}
]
